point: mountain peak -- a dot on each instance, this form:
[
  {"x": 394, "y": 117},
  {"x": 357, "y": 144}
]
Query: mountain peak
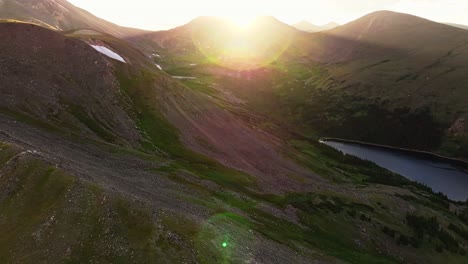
[
  {"x": 305, "y": 25},
  {"x": 382, "y": 21},
  {"x": 393, "y": 17},
  {"x": 222, "y": 24}
]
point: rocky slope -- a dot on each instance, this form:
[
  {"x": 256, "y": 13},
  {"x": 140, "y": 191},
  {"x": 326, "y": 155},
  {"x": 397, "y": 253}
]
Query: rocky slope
[{"x": 63, "y": 81}]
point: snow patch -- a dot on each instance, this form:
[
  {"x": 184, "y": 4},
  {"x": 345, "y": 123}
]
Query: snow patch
[
  {"x": 33, "y": 152},
  {"x": 159, "y": 66},
  {"x": 109, "y": 53}
]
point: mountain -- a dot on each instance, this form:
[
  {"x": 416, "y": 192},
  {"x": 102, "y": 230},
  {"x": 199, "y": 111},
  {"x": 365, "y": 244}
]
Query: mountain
[
  {"x": 400, "y": 65},
  {"x": 406, "y": 68},
  {"x": 220, "y": 40},
  {"x": 404, "y": 61},
  {"x": 387, "y": 30},
  {"x": 60, "y": 15},
  {"x": 201, "y": 146},
  {"x": 309, "y": 27},
  {"x": 457, "y": 25}
]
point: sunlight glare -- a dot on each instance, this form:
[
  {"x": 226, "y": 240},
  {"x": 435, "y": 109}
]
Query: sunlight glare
[{"x": 241, "y": 21}]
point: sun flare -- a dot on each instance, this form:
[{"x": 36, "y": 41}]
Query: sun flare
[{"x": 241, "y": 21}]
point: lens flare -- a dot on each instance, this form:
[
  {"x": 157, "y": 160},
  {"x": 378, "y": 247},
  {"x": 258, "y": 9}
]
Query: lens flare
[
  {"x": 225, "y": 238},
  {"x": 241, "y": 21},
  {"x": 258, "y": 45}
]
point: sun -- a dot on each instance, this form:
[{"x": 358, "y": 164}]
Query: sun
[{"x": 241, "y": 21}]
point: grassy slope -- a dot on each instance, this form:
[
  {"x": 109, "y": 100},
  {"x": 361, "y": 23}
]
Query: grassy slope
[
  {"x": 48, "y": 215},
  {"x": 327, "y": 165},
  {"x": 318, "y": 100},
  {"x": 319, "y": 213},
  {"x": 401, "y": 61}
]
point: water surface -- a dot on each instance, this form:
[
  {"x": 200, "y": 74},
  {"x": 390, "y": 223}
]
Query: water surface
[{"x": 442, "y": 175}]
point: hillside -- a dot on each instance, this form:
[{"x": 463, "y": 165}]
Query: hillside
[
  {"x": 51, "y": 84},
  {"x": 106, "y": 160},
  {"x": 222, "y": 42},
  {"x": 401, "y": 61},
  {"x": 104, "y": 122},
  {"x": 384, "y": 72}
]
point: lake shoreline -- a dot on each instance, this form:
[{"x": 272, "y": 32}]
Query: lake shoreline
[{"x": 407, "y": 150}]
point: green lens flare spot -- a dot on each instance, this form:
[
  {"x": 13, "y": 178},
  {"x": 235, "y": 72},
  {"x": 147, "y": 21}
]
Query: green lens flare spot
[{"x": 224, "y": 244}]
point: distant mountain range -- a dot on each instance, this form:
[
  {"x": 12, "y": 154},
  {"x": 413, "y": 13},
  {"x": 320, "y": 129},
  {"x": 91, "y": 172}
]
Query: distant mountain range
[{"x": 309, "y": 27}]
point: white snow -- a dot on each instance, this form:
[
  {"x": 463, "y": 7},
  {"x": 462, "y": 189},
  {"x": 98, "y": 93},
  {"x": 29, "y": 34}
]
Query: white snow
[
  {"x": 33, "y": 152},
  {"x": 159, "y": 66},
  {"x": 109, "y": 53}
]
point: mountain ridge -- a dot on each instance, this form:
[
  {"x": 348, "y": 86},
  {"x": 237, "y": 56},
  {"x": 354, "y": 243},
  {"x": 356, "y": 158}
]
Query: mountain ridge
[
  {"x": 457, "y": 25},
  {"x": 61, "y": 15},
  {"x": 305, "y": 25}
]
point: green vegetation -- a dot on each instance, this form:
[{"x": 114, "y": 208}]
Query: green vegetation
[
  {"x": 47, "y": 214},
  {"x": 315, "y": 227},
  {"x": 430, "y": 227},
  {"x": 462, "y": 232},
  {"x": 30, "y": 120},
  {"x": 332, "y": 112},
  {"x": 328, "y": 161},
  {"x": 312, "y": 204},
  {"x": 101, "y": 129},
  {"x": 331, "y": 101},
  {"x": 427, "y": 230},
  {"x": 162, "y": 136}
]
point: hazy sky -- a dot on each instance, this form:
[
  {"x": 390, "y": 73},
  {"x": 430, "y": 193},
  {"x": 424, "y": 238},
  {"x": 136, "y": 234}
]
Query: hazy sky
[{"x": 158, "y": 14}]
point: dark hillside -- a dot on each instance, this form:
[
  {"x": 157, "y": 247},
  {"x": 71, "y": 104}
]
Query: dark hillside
[{"x": 62, "y": 81}]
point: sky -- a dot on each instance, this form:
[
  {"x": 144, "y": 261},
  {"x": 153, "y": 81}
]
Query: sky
[{"x": 158, "y": 14}]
